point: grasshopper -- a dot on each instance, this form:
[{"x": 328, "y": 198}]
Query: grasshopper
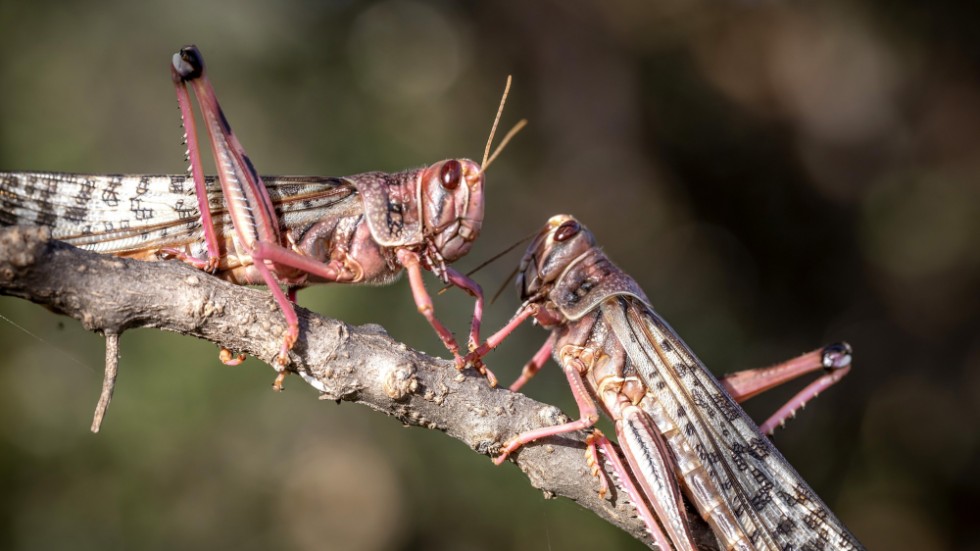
[
  {"x": 680, "y": 430},
  {"x": 274, "y": 230}
]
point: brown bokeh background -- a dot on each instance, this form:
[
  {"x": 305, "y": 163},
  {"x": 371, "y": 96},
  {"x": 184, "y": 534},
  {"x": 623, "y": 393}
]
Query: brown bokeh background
[{"x": 775, "y": 175}]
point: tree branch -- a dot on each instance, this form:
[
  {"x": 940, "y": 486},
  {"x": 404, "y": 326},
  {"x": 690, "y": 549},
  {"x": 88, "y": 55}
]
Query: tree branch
[{"x": 357, "y": 364}]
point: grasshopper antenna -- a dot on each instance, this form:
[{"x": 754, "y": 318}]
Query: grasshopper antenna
[
  {"x": 503, "y": 285},
  {"x": 510, "y": 134},
  {"x": 513, "y": 272},
  {"x": 493, "y": 259},
  {"x": 487, "y": 157},
  {"x": 496, "y": 121}
]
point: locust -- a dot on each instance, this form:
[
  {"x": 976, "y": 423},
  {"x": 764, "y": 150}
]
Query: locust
[
  {"x": 280, "y": 231},
  {"x": 680, "y": 430}
]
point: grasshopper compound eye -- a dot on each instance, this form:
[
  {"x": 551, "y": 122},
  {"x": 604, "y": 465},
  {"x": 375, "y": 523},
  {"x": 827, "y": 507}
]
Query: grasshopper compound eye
[
  {"x": 450, "y": 174},
  {"x": 567, "y": 231}
]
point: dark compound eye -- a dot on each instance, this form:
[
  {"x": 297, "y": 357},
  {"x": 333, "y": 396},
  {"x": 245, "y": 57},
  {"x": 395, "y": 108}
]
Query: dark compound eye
[
  {"x": 450, "y": 174},
  {"x": 567, "y": 230}
]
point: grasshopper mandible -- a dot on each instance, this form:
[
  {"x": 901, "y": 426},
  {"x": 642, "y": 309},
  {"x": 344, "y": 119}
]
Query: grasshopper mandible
[
  {"x": 289, "y": 231},
  {"x": 680, "y": 431}
]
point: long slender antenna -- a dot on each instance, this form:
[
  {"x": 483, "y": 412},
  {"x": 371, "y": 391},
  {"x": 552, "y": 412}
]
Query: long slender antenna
[
  {"x": 513, "y": 132},
  {"x": 494, "y": 258},
  {"x": 496, "y": 120},
  {"x": 503, "y": 285}
]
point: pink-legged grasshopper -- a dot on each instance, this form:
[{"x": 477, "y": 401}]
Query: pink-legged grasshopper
[
  {"x": 290, "y": 231},
  {"x": 680, "y": 431}
]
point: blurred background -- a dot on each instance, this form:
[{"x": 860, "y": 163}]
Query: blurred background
[{"x": 777, "y": 176}]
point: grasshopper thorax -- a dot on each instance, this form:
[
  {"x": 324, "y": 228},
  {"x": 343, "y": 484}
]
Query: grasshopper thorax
[{"x": 451, "y": 196}]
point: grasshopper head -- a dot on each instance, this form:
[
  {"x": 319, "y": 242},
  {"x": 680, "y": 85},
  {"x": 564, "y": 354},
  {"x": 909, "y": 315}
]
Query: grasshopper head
[
  {"x": 452, "y": 206},
  {"x": 562, "y": 240}
]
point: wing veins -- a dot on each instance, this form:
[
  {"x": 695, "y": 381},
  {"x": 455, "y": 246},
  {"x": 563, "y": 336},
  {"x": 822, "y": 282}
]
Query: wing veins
[{"x": 804, "y": 510}]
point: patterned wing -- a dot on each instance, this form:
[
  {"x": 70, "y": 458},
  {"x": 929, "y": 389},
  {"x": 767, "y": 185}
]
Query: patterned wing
[
  {"x": 764, "y": 503},
  {"x": 126, "y": 213}
]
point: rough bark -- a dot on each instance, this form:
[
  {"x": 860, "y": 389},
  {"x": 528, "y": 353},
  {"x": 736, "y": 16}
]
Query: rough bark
[{"x": 358, "y": 364}]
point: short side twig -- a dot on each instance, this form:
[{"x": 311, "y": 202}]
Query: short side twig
[{"x": 109, "y": 380}]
